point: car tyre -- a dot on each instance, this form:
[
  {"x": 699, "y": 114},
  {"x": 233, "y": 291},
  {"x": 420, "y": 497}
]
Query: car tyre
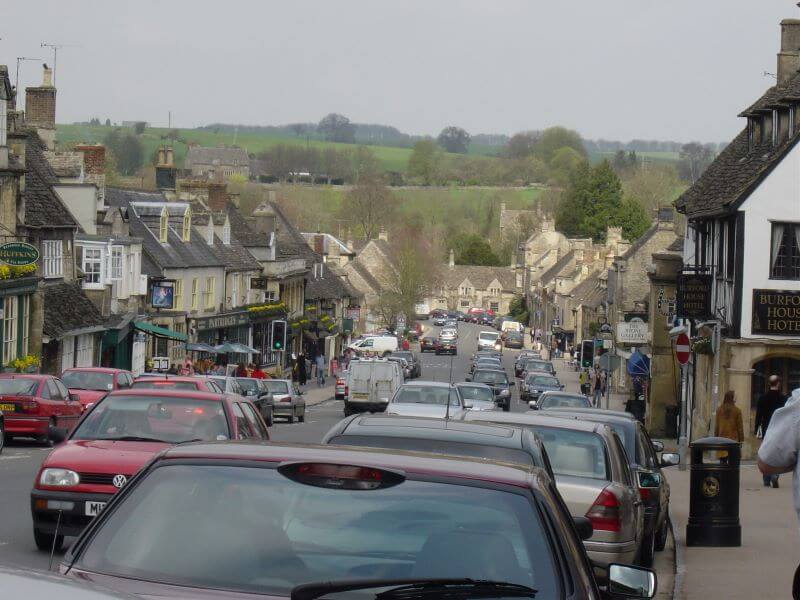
[
  {"x": 46, "y": 541},
  {"x": 291, "y": 418},
  {"x": 648, "y": 552},
  {"x": 45, "y": 439},
  {"x": 661, "y": 536},
  {"x": 302, "y": 418}
]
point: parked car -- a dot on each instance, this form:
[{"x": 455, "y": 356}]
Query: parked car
[
  {"x": 426, "y": 399},
  {"x": 594, "y": 478},
  {"x": 115, "y": 437},
  {"x": 370, "y": 385},
  {"x": 509, "y": 325},
  {"x": 287, "y": 400},
  {"x": 265, "y": 525},
  {"x": 31, "y": 404},
  {"x": 428, "y": 344},
  {"x": 439, "y": 320},
  {"x": 21, "y": 583},
  {"x": 340, "y": 388},
  {"x": 487, "y": 352},
  {"x": 559, "y": 400},
  {"x": 381, "y": 345},
  {"x": 92, "y": 383},
  {"x": 642, "y": 453},
  {"x": 405, "y": 368},
  {"x": 413, "y": 361},
  {"x": 515, "y": 340},
  {"x": 486, "y": 362},
  {"x": 257, "y": 390},
  {"x": 519, "y": 362},
  {"x": 497, "y": 379},
  {"x": 228, "y": 384},
  {"x": 477, "y": 396},
  {"x": 177, "y": 382},
  {"x": 537, "y": 365},
  {"x": 437, "y": 436},
  {"x": 535, "y": 384},
  {"x": 489, "y": 340}
]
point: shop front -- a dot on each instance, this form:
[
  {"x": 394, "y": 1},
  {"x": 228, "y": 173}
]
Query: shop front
[
  {"x": 164, "y": 344},
  {"x": 18, "y": 306},
  {"x": 232, "y": 327}
]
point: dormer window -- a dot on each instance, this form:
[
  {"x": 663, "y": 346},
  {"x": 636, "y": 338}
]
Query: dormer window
[
  {"x": 163, "y": 226},
  {"x": 226, "y": 232},
  {"x": 774, "y": 127},
  {"x": 3, "y": 121},
  {"x": 187, "y": 225},
  {"x": 751, "y": 131}
]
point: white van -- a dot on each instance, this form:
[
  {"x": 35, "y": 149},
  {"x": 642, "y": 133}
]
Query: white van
[
  {"x": 371, "y": 383},
  {"x": 379, "y": 344},
  {"x": 512, "y": 326}
]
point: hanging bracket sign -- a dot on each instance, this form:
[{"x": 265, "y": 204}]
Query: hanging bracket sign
[{"x": 18, "y": 254}]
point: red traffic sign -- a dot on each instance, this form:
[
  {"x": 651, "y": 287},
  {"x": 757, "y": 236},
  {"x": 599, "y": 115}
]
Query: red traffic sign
[{"x": 683, "y": 348}]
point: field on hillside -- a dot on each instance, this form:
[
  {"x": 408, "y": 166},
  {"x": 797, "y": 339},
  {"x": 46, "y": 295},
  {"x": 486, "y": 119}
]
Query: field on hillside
[
  {"x": 655, "y": 157},
  {"x": 390, "y": 158}
]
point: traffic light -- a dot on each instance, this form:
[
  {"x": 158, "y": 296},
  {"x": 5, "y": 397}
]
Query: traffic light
[
  {"x": 587, "y": 353},
  {"x": 278, "y": 335}
]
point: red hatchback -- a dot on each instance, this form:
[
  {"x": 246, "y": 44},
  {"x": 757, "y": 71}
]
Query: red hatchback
[
  {"x": 115, "y": 438},
  {"x": 31, "y": 404},
  {"x": 92, "y": 383},
  {"x": 176, "y": 382}
]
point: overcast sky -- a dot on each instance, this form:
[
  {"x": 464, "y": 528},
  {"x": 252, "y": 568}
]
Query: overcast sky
[{"x": 618, "y": 69}]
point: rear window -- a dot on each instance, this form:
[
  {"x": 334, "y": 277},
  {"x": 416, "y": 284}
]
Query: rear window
[
  {"x": 277, "y": 387},
  {"x": 538, "y": 365},
  {"x": 558, "y": 401},
  {"x": 417, "y": 394},
  {"x": 577, "y": 453},
  {"x": 490, "y": 377},
  {"x": 509, "y": 455},
  {"x": 265, "y": 534},
  {"x": 147, "y": 384},
  {"x": 472, "y": 392},
  {"x": 488, "y": 335},
  {"x": 18, "y": 387},
  {"x": 88, "y": 380},
  {"x": 248, "y": 384},
  {"x": 543, "y": 380}
]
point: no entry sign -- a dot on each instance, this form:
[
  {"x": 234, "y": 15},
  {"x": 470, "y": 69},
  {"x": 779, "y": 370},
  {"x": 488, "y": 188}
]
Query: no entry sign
[{"x": 683, "y": 348}]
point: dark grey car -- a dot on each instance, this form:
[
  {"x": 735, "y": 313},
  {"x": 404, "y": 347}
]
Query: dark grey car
[
  {"x": 258, "y": 392},
  {"x": 644, "y": 461},
  {"x": 497, "y": 379},
  {"x": 413, "y": 361}
]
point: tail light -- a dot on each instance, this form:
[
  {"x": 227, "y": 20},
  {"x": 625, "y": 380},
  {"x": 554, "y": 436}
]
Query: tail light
[
  {"x": 605, "y": 512},
  {"x": 644, "y": 493},
  {"x": 29, "y": 405}
]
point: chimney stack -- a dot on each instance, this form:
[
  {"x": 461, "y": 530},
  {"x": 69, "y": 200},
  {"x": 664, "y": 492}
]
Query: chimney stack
[
  {"x": 94, "y": 158},
  {"x": 166, "y": 174},
  {"x": 217, "y": 196},
  {"x": 40, "y": 109},
  {"x": 789, "y": 56}
]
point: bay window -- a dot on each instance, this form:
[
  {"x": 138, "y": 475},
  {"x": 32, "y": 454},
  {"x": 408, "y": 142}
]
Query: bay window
[
  {"x": 116, "y": 263},
  {"x": 93, "y": 264}
]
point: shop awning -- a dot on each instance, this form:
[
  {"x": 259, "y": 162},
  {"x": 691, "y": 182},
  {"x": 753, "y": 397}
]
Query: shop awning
[
  {"x": 160, "y": 331},
  {"x": 201, "y": 348}
]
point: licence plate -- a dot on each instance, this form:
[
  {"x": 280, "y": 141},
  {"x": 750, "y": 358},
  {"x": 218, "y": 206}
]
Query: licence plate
[
  {"x": 361, "y": 396},
  {"x": 94, "y": 508},
  {"x": 6, "y": 408}
]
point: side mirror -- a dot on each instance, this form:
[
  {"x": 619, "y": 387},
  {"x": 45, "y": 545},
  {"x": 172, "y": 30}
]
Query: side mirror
[
  {"x": 468, "y": 378},
  {"x": 670, "y": 459},
  {"x": 648, "y": 479},
  {"x": 658, "y": 446},
  {"x": 467, "y": 404},
  {"x": 584, "y": 527},
  {"x": 56, "y": 434},
  {"x": 73, "y": 397},
  {"x": 631, "y": 582},
  {"x": 532, "y": 405}
]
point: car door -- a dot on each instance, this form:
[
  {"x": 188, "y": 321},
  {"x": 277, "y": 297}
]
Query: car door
[
  {"x": 634, "y": 507},
  {"x": 243, "y": 429},
  {"x": 256, "y": 422},
  {"x": 65, "y": 410},
  {"x": 652, "y": 459}
]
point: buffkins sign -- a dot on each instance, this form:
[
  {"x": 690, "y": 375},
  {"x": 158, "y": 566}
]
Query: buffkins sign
[
  {"x": 776, "y": 312},
  {"x": 18, "y": 254}
]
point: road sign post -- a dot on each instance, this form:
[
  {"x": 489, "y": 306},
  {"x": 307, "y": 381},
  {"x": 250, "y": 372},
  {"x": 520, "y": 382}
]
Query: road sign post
[{"x": 683, "y": 350}]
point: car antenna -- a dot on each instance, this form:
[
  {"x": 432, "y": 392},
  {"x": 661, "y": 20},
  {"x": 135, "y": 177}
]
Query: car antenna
[{"x": 55, "y": 541}]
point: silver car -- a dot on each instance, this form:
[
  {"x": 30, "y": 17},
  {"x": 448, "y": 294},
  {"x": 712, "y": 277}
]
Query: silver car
[
  {"x": 287, "y": 400},
  {"x": 552, "y": 400},
  {"x": 426, "y": 399},
  {"x": 594, "y": 478},
  {"x": 477, "y": 396}
]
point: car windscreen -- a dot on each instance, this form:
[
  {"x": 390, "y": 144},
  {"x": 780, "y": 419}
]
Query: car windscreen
[
  {"x": 542, "y": 380},
  {"x": 488, "y": 335},
  {"x": 157, "y": 418},
  {"x": 473, "y": 392},
  {"x": 248, "y": 384},
  {"x": 264, "y": 533},
  {"x": 88, "y": 380},
  {"x": 404, "y": 355},
  {"x": 18, "y": 387},
  {"x": 538, "y": 365},
  {"x": 165, "y": 384},
  {"x": 564, "y": 401},
  {"x": 477, "y": 450},
  {"x": 490, "y": 377},
  {"x": 576, "y": 453},
  {"x": 420, "y": 394},
  {"x": 277, "y": 387}
]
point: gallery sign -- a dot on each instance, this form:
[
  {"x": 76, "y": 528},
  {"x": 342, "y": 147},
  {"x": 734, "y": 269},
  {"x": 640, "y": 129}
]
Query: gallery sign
[
  {"x": 635, "y": 333},
  {"x": 776, "y": 312},
  {"x": 693, "y": 296}
]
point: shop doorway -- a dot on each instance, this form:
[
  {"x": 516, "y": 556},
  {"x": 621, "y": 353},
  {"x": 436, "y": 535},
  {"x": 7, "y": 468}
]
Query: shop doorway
[{"x": 785, "y": 367}]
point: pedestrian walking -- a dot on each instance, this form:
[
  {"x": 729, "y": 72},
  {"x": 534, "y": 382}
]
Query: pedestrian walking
[
  {"x": 598, "y": 386},
  {"x": 533, "y": 336},
  {"x": 405, "y": 344},
  {"x": 729, "y": 422},
  {"x": 319, "y": 360},
  {"x": 769, "y": 402},
  {"x": 302, "y": 372},
  {"x": 778, "y": 454},
  {"x": 583, "y": 380}
]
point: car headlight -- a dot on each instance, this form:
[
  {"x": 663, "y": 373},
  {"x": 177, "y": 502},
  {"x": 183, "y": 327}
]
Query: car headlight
[
  {"x": 59, "y": 478},
  {"x": 504, "y": 392}
]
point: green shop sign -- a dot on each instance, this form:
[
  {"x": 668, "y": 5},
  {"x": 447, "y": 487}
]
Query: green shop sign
[{"x": 18, "y": 254}]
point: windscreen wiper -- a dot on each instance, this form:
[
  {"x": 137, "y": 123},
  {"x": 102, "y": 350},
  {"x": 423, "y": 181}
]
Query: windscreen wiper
[
  {"x": 136, "y": 438},
  {"x": 412, "y": 589}
]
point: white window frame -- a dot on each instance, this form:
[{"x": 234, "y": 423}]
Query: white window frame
[
  {"x": 53, "y": 258},
  {"x": 10, "y": 321},
  {"x": 226, "y": 233},
  {"x": 177, "y": 294},
  {"x": 163, "y": 226},
  {"x": 117, "y": 263},
  {"x": 195, "y": 293},
  {"x": 95, "y": 259},
  {"x": 187, "y": 225},
  {"x": 208, "y": 300},
  {"x": 234, "y": 290}
]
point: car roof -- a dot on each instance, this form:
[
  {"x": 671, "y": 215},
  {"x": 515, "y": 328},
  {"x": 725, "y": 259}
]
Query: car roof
[
  {"x": 528, "y": 418},
  {"x": 178, "y": 378},
  {"x": 97, "y": 370},
  {"x": 37, "y": 376},
  {"x": 541, "y": 374},
  {"x": 491, "y": 370},
  {"x": 599, "y": 415},
  {"x": 192, "y": 394},
  {"x": 473, "y": 384},
  {"x": 434, "y": 429},
  {"x": 427, "y": 383},
  {"x": 418, "y": 463},
  {"x": 561, "y": 394}
]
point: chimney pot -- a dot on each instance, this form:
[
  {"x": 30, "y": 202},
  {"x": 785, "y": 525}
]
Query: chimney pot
[
  {"x": 789, "y": 56},
  {"x": 47, "y": 76}
]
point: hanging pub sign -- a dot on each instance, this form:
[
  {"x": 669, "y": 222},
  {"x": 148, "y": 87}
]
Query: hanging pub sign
[
  {"x": 258, "y": 283},
  {"x": 776, "y": 312},
  {"x": 693, "y": 296},
  {"x": 18, "y": 254}
]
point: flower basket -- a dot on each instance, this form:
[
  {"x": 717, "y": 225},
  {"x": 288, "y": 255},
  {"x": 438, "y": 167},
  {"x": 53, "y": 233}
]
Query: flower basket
[{"x": 702, "y": 345}]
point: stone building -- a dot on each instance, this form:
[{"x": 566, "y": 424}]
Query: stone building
[{"x": 217, "y": 163}]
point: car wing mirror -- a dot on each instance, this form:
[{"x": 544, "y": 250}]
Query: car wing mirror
[
  {"x": 56, "y": 434},
  {"x": 468, "y": 378},
  {"x": 532, "y": 405},
  {"x": 658, "y": 446},
  {"x": 670, "y": 459},
  {"x": 625, "y": 581},
  {"x": 73, "y": 397},
  {"x": 584, "y": 527},
  {"x": 468, "y": 404},
  {"x": 649, "y": 479}
]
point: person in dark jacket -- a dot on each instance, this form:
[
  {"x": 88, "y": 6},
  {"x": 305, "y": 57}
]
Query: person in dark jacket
[
  {"x": 302, "y": 371},
  {"x": 769, "y": 402}
]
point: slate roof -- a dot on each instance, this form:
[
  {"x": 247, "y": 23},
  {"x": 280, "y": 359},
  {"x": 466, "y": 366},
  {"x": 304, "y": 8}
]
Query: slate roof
[
  {"x": 290, "y": 242},
  {"x": 480, "y": 277},
  {"x": 66, "y": 309},
  {"x": 65, "y": 164},
  {"x": 43, "y": 207},
  {"x": 244, "y": 231},
  {"x": 676, "y": 246},
  {"x": 559, "y": 266},
  {"x": 365, "y": 274},
  {"x": 234, "y": 256},
  {"x": 198, "y": 155},
  {"x": 740, "y": 167},
  {"x": 589, "y": 292},
  {"x": 331, "y": 285}
]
